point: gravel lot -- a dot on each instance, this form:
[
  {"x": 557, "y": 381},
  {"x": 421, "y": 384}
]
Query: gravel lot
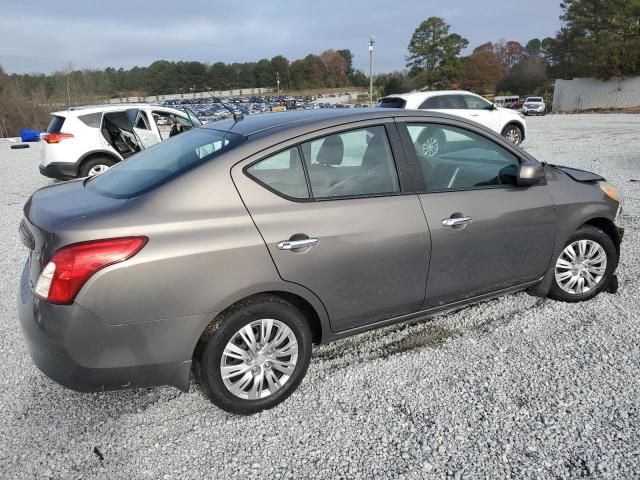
[{"x": 516, "y": 387}]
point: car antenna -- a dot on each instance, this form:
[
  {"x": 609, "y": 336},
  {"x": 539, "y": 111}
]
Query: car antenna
[{"x": 236, "y": 116}]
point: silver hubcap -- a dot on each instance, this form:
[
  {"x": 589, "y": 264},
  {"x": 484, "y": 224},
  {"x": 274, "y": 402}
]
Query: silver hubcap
[
  {"x": 98, "y": 169},
  {"x": 513, "y": 134},
  {"x": 259, "y": 359},
  {"x": 581, "y": 266},
  {"x": 430, "y": 147}
]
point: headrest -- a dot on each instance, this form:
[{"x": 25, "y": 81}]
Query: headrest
[
  {"x": 331, "y": 151},
  {"x": 376, "y": 152}
]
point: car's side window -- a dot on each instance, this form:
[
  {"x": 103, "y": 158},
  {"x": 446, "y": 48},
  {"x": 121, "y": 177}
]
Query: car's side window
[
  {"x": 444, "y": 102},
  {"x": 282, "y": 172},
  {"x": 356, "y": 162},
  {"x": 141, "y": 121},
  {"x": 476, "y": 103},
  {"x": 433, "y": 103},
  {"x": 453, "y": 158}
]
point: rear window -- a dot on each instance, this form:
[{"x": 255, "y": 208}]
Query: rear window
[
  {"x": 392, "y": 102},
  {"x": 535, "y": 99},
  {"x": 152, "y": 167},
  {"x": 55, "y": 125}
]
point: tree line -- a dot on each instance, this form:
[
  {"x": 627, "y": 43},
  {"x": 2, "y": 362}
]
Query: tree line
[
  {"x": 597, "y": 39},
  {"x": 330, "y": 69}
]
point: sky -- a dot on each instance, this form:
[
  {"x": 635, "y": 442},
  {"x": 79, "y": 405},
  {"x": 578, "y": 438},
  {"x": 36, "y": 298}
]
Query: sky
[{"x": 38, "y": 36}]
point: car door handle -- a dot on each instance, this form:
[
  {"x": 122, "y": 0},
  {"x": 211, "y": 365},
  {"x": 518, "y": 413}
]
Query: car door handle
[
  {"x": 456, "y": 221},
  {"x": 296, "y": 244}
]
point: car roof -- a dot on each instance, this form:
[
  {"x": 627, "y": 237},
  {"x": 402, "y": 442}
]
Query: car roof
[
  {"x": 431, "y": 93},
  {"x": 275, "y": 122},
  {"x": 111, "y": 107}
]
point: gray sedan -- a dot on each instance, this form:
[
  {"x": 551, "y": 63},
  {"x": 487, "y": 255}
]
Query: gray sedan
[{"x": 231, "y": 249}]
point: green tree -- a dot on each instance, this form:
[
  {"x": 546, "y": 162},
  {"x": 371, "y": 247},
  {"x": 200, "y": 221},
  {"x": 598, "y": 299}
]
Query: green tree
[
  {"x": 348, "y": 57},
  {"x": 161, "y": 77},
  {"x": 434, "y": 53},
  {"x": 599, "y": 38},
  {"x": 280, "y": 65},
  {"x": 533, "y": 47},
  {"x": 264, "y": 74},
  {"x": 526, "y": 78}
]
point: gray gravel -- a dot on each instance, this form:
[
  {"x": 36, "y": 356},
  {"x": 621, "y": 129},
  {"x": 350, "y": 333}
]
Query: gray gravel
[{"x": 516, "y": 387}]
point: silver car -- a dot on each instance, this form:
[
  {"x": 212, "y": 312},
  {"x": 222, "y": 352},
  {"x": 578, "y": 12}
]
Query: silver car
[{"x": 233, "y": 248}]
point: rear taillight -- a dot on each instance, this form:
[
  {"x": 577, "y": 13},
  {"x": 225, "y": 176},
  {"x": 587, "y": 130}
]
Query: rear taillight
[
  {"x": 71, "y": 266},
  {"x": 56, "y": 137}
]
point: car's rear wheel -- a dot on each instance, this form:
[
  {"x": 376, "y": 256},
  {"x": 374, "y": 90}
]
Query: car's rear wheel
[
  {"x": 513, "y": 133},
  {"x": 256, "y": 356},
  {"x": 95, "y": 166},
  {"x": 585, "y": 266}
]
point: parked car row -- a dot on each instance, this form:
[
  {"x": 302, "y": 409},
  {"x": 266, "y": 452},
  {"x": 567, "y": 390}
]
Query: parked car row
[{"x": 211, "y": 109}]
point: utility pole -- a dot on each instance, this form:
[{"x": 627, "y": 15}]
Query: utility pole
[
  {"x": 278, "y": 81},
  {"x": 371, "y": 42}
]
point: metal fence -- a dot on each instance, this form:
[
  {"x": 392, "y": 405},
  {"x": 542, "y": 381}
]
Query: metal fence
[
  {"x": 191, "y": 95},
  {"x": 590, "y": 93}
]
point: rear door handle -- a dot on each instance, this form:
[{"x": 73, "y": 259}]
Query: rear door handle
[
  {"x": 297, "y": 244},
  {"x": 456, "y": 221}
]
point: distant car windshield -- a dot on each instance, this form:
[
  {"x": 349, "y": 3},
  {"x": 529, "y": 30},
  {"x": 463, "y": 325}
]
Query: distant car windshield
[
  {"x": 535, "y": 99},
  {"x": 152, "y": 167}
]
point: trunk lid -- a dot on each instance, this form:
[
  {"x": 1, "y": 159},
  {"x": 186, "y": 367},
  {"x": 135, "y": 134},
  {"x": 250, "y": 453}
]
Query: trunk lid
[{"x": 48, "y": 210}]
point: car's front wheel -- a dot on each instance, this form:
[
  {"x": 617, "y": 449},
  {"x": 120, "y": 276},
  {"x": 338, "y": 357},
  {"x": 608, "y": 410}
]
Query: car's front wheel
[
  {"x": 256, "y": 356},
  {"x": 513, "y": 133},
  {"x": 585, "y": 266}
]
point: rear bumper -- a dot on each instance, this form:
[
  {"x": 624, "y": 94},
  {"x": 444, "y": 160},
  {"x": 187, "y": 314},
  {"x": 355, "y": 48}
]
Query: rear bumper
[
  {"x": 59, "y": 170},
  {"x": 79, "y": 351}
]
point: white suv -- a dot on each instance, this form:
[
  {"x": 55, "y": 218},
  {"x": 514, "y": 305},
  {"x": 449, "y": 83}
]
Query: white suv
[
  {"x": 534, "y": 106},
  {"x": 85, "y": 141},
  {"x": 504, "y": 121}
]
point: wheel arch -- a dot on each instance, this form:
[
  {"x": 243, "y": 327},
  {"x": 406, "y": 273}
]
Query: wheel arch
[
  {"x": 94, "y": 154},
  {"x": 608, "y": 227},
  {"x": 311, "y": 308},
  {"x": 518, "y": 124}
]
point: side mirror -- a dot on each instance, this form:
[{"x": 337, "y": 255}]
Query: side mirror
[
  {"x": 493, "y": 107},
  {"x": 530, "y": 173}
]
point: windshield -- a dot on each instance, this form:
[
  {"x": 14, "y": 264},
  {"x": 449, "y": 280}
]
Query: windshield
[
  {"x": 534, "y": 99},
  {"x": 162, "y": 162}
]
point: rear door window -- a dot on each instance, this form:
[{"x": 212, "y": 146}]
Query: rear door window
[
  {"x": 444, "y": 102},
  {"x": 356, "y": 162},
  {"x": 282, "y": 172}
]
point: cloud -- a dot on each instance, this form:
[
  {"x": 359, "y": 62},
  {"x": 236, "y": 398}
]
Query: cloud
[{"x": 118, "y": 33}]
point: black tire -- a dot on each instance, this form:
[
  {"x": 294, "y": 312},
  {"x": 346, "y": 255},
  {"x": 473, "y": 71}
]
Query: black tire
[
  {"x": 95, "y": 162},
  {"x": 587, "y": 232},
  {"x": 211, "y": 347},
  {"x": 512, "y": 128}
]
